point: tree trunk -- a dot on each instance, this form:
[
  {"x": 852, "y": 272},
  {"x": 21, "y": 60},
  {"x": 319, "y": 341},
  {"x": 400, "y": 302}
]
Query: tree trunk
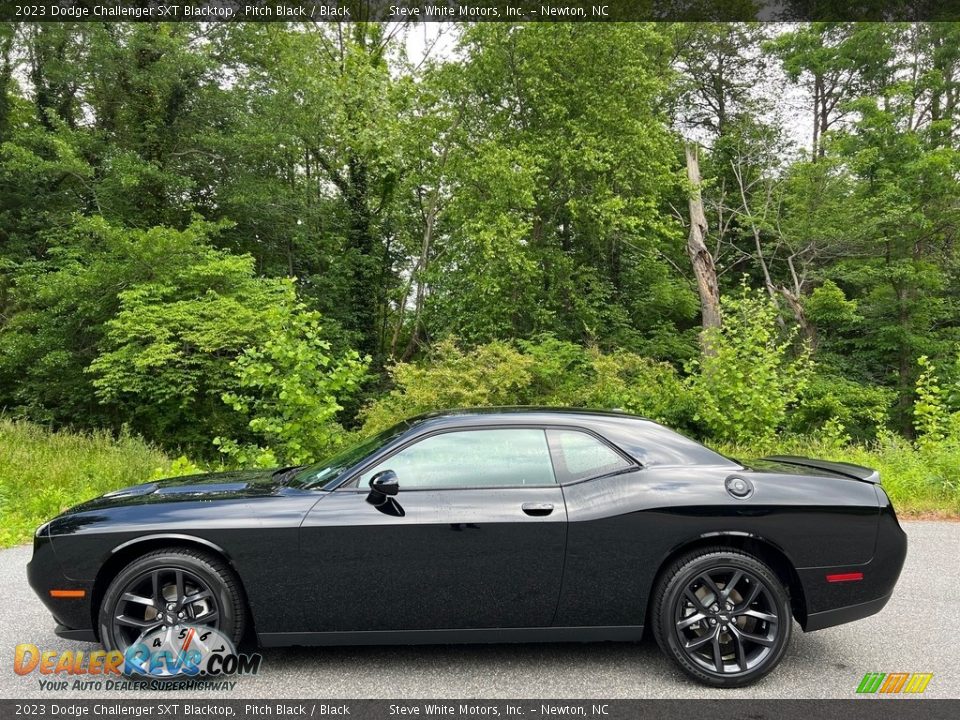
[
  {"x": 704, "y": 268},
  {"x": 815, "y": 150},
  {"x": 793, "y": 297},
  {"x": 6, "y": 74},
  {"x": 362, "y": 244},
  {"x": 796, "y": 307}
]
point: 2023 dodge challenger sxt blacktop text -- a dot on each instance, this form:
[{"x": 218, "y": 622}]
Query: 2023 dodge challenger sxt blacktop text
[{"x": 495, "y": 525}]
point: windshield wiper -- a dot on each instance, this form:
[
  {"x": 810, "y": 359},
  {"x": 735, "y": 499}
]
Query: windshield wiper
[{"x": 285, "y": 474}]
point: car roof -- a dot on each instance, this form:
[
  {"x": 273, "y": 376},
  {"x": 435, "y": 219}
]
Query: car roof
[{"x": 529, "y": 412}]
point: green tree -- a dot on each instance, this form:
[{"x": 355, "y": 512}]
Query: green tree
[
  {"x": 558, "y": 219},
  {"x": 117, "y": 326},
  {"x": 837, "y": 63},
  {"x": 165, "y": 359},
  {"x": 330, "y": 93}
]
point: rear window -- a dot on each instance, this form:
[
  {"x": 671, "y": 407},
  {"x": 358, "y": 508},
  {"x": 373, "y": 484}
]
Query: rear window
[{"x": 579, "y": 455}]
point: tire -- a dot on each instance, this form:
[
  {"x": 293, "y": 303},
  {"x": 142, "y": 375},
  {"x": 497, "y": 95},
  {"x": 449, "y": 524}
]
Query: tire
[
  {"x": 727, "y": 640},
  {"x": 220, "y": 604}
]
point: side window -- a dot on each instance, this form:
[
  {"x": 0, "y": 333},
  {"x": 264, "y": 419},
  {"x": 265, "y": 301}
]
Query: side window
[
  {"x": 472, "y": 458},
  {"x": 578, "y": 455}
]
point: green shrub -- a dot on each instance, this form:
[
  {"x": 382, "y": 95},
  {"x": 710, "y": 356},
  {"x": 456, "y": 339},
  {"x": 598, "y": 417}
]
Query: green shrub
[
  {"x": 829, "y": 399},
  {"x": 492, "y": 374},
  {"x": 750, "y": 377},
  {"x": 290, "y": 387},
  {"x": 546, "y": 371},
  {"x": 931, "y": 418},
  {"x": 625, "y": 381},
  {"x": 828, "y": 307},
  {"x": 144, "y": 305},
  {"x": 165, "y": 360}
]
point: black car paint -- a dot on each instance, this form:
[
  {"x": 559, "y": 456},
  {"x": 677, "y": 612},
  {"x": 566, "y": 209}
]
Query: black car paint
[{"x": 324, "y": 566}]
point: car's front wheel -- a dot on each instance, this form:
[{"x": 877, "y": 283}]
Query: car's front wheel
[
  {"x": 167, "y": 588},
  {"x": 723, "y": 616}
]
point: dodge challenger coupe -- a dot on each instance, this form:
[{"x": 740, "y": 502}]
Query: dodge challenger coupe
[{"x": 494, "y": 525}]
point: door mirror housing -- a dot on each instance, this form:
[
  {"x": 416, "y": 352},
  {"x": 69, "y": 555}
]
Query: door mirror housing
[
  {"x": 385, "y": 482},
  {"x": 383, "y": 486}
]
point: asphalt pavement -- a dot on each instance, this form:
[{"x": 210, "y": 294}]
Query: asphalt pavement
[{"x": 918, "y": 631}]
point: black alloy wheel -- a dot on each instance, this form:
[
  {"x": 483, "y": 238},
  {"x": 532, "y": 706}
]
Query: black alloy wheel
[
  {"x": 167, "y": 588},
  {"x": 723, "y": 617}
]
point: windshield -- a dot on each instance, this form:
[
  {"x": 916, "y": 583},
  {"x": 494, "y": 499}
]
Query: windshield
[{"x": 330, "y": 469}]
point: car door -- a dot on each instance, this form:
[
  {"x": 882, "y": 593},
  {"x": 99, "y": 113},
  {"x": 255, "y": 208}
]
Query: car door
[{"x": 475, "y": 538}]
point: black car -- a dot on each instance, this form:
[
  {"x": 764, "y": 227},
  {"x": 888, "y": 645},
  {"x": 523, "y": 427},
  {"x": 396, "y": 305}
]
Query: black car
[{"x": 495, "y": 525}]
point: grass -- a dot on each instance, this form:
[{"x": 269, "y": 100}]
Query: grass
[{"x": 43, "y": 473}]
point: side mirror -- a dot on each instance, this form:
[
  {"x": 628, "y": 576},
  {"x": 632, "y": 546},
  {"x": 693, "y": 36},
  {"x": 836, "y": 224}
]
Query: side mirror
[{"x": 385, "y": 482}]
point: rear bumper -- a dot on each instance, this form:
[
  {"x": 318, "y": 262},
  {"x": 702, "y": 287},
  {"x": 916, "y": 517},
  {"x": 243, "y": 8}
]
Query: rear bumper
[
  {"x": 839, "y": 616},
  {"x": 833, "y": 603}
]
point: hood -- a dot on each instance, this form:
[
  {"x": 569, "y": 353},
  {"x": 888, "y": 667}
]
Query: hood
[
  {"x": 210, "y": 486},
  {"x": 794, "y": 465}
]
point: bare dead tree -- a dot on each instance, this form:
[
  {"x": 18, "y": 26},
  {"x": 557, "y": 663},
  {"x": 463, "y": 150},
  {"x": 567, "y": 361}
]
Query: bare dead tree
[
  {"x": 763, "y": 219},
  {"x": 704, "y": 268}
]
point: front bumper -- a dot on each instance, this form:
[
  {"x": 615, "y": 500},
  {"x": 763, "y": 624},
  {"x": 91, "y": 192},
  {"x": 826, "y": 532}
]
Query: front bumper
[
  {"x": 73, "y": 614},
  {"x": 87, "y": 635}
]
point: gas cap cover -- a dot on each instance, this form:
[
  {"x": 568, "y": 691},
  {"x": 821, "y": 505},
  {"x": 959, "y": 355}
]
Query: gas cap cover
[{"x": 739, "y": 487}]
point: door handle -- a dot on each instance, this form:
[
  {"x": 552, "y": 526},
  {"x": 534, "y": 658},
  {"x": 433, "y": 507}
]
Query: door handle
[{"x": 537, "y": 509}]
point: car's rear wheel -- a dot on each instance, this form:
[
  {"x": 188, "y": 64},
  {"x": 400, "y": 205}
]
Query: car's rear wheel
[
  {"x": 723, "y": 616},
  {"x": 171, "y": 587}
]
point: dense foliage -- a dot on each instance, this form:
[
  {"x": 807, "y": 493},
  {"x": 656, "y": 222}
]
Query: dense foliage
[
  {"x": 544, "y": 372},
  {"x": 247, "y": 242},
  {"x": 747, "y": 380}
]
